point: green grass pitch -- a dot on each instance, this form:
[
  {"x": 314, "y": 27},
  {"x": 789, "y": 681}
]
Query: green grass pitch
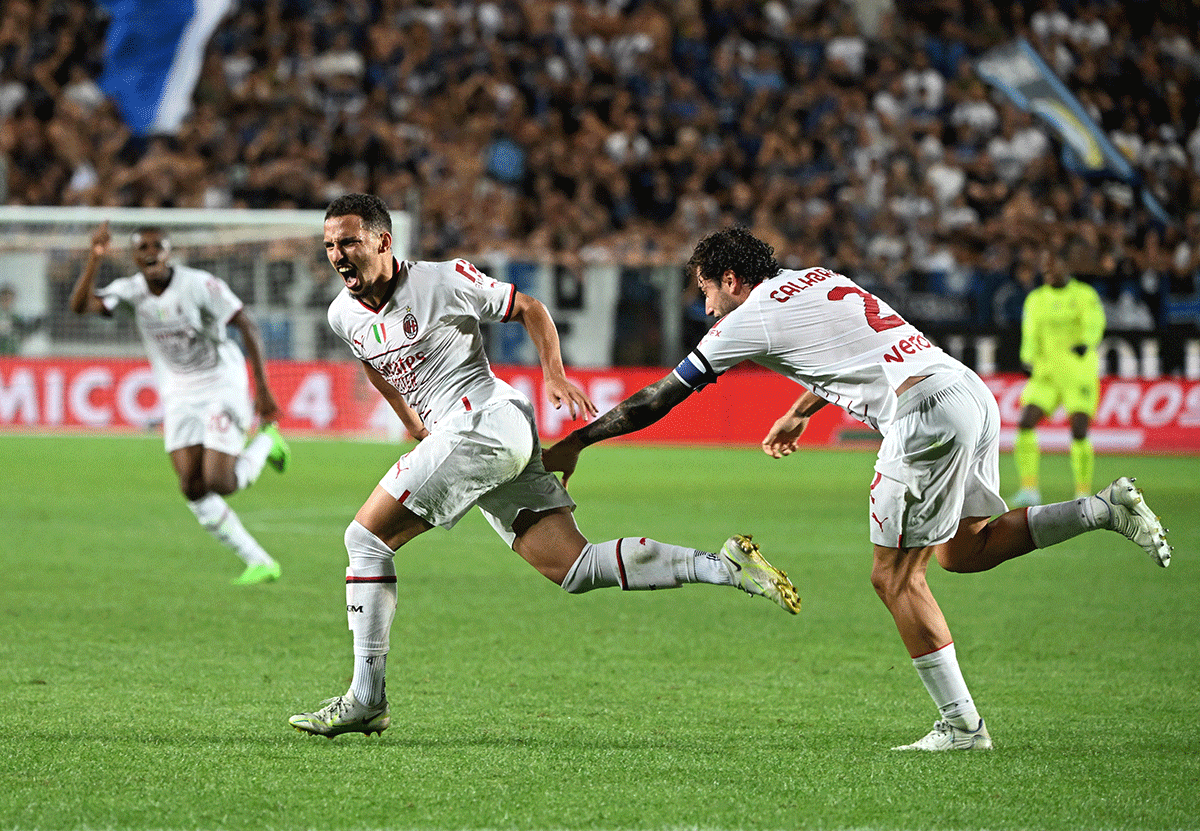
[{"x": 141, "y": 691}]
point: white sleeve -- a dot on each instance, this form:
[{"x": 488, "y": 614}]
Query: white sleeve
[
  {"x": 735, "y": 338},
  {"x": 215, "y": 295},
  {"x": 492, "y": 300},
  {"x": 116, "y": 293}
]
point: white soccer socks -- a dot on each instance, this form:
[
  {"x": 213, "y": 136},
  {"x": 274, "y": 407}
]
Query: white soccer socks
[
  {"x": 216, "y": 517},
  {"x": 1052, "y": 524},
  {"x": 251, "y": 461},
  {"x": 370, "y": 609},
  {"x": 940, "y": 674},
  {"x": 635, "y": 563}
]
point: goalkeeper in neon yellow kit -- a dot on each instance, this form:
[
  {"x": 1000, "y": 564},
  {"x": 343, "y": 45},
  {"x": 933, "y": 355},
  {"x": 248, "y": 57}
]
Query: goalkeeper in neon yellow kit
[{"x": 1061, "y": 327}]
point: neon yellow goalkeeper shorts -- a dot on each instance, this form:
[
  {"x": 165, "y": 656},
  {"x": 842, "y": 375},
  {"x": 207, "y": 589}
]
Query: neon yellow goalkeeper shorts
[{"x": 1077, "y": 392}]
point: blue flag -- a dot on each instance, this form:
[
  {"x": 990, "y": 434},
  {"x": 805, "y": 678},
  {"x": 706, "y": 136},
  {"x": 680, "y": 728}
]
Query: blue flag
[{"x": 153, "y": 53}]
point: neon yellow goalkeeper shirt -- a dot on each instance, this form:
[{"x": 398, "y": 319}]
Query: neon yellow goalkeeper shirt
[{"x": 1055, "y": 320}]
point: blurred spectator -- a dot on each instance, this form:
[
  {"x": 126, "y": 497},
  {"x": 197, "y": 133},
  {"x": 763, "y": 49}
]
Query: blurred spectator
[
  {"x": 1009, "y": 298},
  {"x": 924, "y": 87},
  {"x": 1018, "y": 145}
]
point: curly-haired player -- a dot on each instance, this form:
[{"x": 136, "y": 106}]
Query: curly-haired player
[{"x": 937, "y": 473}]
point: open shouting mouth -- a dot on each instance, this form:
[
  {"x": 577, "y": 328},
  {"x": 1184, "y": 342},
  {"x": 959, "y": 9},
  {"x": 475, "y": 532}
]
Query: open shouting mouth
[{"x": 350, "y": 277}]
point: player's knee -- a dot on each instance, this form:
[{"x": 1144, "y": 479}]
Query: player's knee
[
  {"x": 193, "y": 488},
  {"x": 364, "y": 548},
  {"x": 883, "y": 581},
  {"x": 892, "y": 581}
]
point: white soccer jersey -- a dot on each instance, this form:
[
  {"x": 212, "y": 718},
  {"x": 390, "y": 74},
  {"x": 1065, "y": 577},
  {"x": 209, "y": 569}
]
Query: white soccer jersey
[
  {"x": 184, "y": 329},
  {"x": 821, "y": 330},
  {"x": 426, "y": 339}
]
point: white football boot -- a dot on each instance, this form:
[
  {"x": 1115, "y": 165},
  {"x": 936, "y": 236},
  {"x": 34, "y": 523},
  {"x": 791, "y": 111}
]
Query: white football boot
[
  {"x": 1026, "y": 498},
  {"x": 1130, "y": 515},
  {"x": 754, "y": 575},
  {"x": 945, "y": 736},
  {"x": 344, "y": 715}
]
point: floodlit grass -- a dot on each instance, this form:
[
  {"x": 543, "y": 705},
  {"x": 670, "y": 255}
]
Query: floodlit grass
[{"x": 140, "y": 690}]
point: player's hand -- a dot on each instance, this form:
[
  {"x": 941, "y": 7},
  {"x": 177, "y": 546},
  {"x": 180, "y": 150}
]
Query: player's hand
[
  {"x": 562, "y": 457},
  {"x": 560, "y": 391},
  {"x": 100, "y": 240},
  {"x": 784, "y": 436},
  {"x": 1079, "y": 349}
]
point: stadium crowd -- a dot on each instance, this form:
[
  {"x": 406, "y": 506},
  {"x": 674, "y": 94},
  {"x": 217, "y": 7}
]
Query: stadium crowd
[{"x": 851, "y": 134}]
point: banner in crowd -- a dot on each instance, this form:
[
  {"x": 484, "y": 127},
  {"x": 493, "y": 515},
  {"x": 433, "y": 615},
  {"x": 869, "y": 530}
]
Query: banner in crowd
[
  {"x": 1017, "y": 70},
  {"x": 153, "y": 53},
  {"x": 329, "y": 398}
]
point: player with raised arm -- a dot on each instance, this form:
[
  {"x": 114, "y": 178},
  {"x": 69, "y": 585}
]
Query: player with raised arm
[
  {"x": 182, "y": 314},
  {"x": 937, "y": 472},
  {"x": 415, "y": 326}
]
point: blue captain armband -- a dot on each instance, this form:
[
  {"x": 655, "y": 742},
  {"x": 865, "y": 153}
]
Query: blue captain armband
[{"x": 695, "y": 371}]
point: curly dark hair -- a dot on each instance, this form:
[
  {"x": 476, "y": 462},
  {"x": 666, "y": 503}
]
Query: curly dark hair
[
  {"x": 370, "y": 209},
  {"x": 733, "y": 249}
]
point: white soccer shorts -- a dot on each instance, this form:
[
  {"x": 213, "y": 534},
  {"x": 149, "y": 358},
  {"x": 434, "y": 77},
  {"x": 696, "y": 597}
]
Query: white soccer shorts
[
  {"x": 218, "y": 421},
  {"x": 939, "y": 462},
  {"x": 488, "y": 456}
]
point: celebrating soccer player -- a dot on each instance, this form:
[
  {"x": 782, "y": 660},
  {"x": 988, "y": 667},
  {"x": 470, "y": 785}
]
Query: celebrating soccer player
[
  {"x": 937, "y": 472},
  {"x": 415, "y": 328},
  {"x": 182, "y": 314}
]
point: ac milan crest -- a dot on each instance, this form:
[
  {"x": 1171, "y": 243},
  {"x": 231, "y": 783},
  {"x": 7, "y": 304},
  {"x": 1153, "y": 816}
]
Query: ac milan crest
[{"x": 410, "y": 325}]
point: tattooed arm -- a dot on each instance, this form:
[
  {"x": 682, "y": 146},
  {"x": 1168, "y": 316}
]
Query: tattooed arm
[{"x": 639, "y": 410}]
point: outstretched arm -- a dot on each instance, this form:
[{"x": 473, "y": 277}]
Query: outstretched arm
[
  {"x": 264, "y": 402},
  {"x": 784, "y": 436},
  {"x": 639, "y": 410},
  {"x": 531, "y": 314},
  {"x": 83, "y": 295}
]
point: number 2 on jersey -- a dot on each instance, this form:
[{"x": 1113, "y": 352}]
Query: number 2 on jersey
[{"x": 878, "y": 322}]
